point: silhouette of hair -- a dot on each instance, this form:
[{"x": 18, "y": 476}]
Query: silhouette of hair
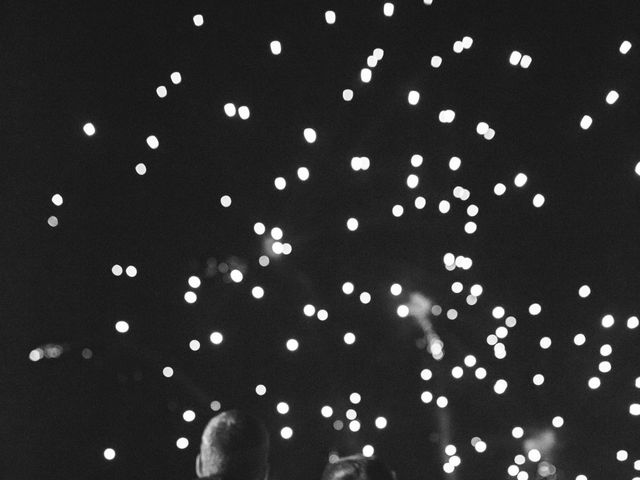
[
  {"x": 357, "y": 467},
  {"x": 234, "y": 445}
]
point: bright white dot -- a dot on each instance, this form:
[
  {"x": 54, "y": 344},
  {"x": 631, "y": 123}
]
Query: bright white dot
[
  {"x": 280, "y": 183},
  {"x": 292, "y": 345},
  {"x": 236, "y": 275},
  {"x": 467, "y": 42},
  {"x": 426, "y": 397},
  {"x": 349, "y": 338},
  {"x": 625, "y": 46},
  {"x": 397, "y": 210},
  {"x": 470, "y": 227},
  {"x": 454, "y": 163},
  {"x": 109, "y": 453},
  {"x": 216, "y": 338},
  {"x": 448, "y": 468},
  {"x": 354, "y": 425},
  {"x": 167, "y": 372},
  {"x": 538, "y": 379},
  {"x": 153, "y": 142},
  {"x": 520, "y": 459},
  {"x": 57, "y": 200},
  {"x": 355, "y": 398},
  {"x": 412, "y": 181},
  {"x": 482, "y": 128},
  {"x": 381, "y": 423},
  {"x": 605, "y": 350},
  {"x": 515, "y": 57},
  {"x": 446, "y": 116},
  {"x": 498, "y": 312},
  {"x": 36, "y": 355},
  {"x": 545, "y": 343},
  {"x": 303, "y": 174},
  {"x": 444, "y": 206},
  {"x": 517, "y": 432},
  {"x": 604, "y": 367},
  {"x": 257, "y": 292},
  {"x": 594, "y": 382},
  {"x": 89, "y": 129},
  {"x": 612, "y": 97},
  {"x": 420, "y": 203},
  {"x": 326, "y": 411},
  {"x": 608, "y": 321},
  {"x": 490, "y": 134},
  {"x": 557, "y": 421},
  {"x": 282, "y": 408},
  {"x": 534, "y": 455},
  {"x": 198, "y": 20},
  {"x": 365, "y": 75},
  {"x": 416, "y": 160},
  {"x": 176, "y": 78},
  {"x": 579, "y": 339},
  {"x": 365, "y": 297},
  {"x": 347, "y": 288},
  {"x": 182, "y": 443},
  {"x": 190, "y": 297},
  {"x": 368, "y": 451},
  {"x": 538, "y": 200},
  {"x": 188, "y": 415},
  {"x": 161, "y": 91},
  {"x": 259, "y": 228},
  {"x": 388, "y": 9},
  {"x": 436, "y": 61},
  {"x": 330, "y": 17},
  {"x": 510, "y": 322},
  {"x": 457, "y": 372},
  {"x": 442, "y": 401},
  {"x": 347, "y": 95},
  {"x": 513, "y": 470},
  {"x": 352, "y": 224},
  {"x": 131, "y": 271},
  {"x": 194, "y": 345},
  {"x": 426, "y": 374},
  {"x": 351, "y": 414},
  {"x": 286, "y": 433},
  {"x": 535, "y": 309},
  {"x": 261, "y": 390},
  {"x": 277, "y": 233},
  {"x": 480, "y": 446},
  {"x": 499, "y": 189},
  {"x": 276, "y": 47},
  {"x": 310, "y": 135},
  {"x": 116, "y": 270},
  {"x": 457, "y": 46},
  {"x": 122, "y": 326},
  {"x": 194, "y": 281},
  {"x": 402, "y": 311},
  {"x": 413, "y": 97},
  {"x": 633, "y": 322},
  {"x": 586, "y": 122},
  {"x": 520, "y": 180},
  {"x": 141, "y": 169},
  {"x": 634, "y": 409},
  {"x": 622, "y": 455},
  {"x": 500, "y": 386},
  {"x": 229, "y": 109},
  {"x": 526, "y": 61},
  {"x": 243, "y": 112},
  {"x": 378, "y": 53},
  {"x": 309, "y": 310},
  {"x": 456, "y": 287}
]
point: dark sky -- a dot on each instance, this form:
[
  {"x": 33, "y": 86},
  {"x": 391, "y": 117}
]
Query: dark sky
[{"x": 63, "y": 64}]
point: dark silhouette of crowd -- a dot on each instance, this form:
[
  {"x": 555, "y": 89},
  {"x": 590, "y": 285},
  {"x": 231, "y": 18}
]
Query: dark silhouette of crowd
[{"x": 235, "y": 446}]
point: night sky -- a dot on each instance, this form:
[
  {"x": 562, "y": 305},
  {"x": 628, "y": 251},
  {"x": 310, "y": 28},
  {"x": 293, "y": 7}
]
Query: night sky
[{"x": 65, "y": 64}]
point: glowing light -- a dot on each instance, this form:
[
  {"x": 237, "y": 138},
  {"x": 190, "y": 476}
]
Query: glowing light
[
  {"x": 368, "y": 451},
  {"x": 538, "y": 379},
  {"x": 500, "y": 386},
  {"x": 194, "y": 345},
  {"x": 526, "y": 61},
  {"x": 122, "y": 326},
  {"x": 52, "y": 221},
  {"x": 276, "y": 233},
  {"x": 292, "y": 345},
  {"x": 388, "y": 9},
  {"x": 141, "y": 169},
  {"x": 378, "y": 53},
  {"x": 470, "y": 227},
  {"x": 243, "y": 112},
  {"x": 347, "y": 288},
  {"x": 515, "y": 57},
  {"x": 36, "y": 354},
  {"x": 354, "y": 425},
  {"x": 634, "y": 409},
  {"x": 131, "y": 271},
  {"x": 280, "y": 183},
  {"x": 513, "y": 470},
  {"x": 89, "y": 129},
  {"x": 482, "y": 128},
  {"x": 286, "y": 433},
  {"x": 167, "y": 372},
  {"x": 330, "y": 17},
  {"x": 604, "y": 367},
  {"x": 176, "y": 78},
  {"x": 188, "y": 416},
  {"x": 426, "y": 374},
  {"x": 236, "y": 275},
  {"x": 442, "y": 402},
  {"x": 117, "y": 270},
  {"x": 402, "y": 311},
  {"x": 625, "y": 46},
  {"x": 397, "y": 210},
  {"x": 355, "y": 398},
  {"x": 261, "y": 390},
  {"x": 557, "y": 422},
  {"x": 456, "y": 287},
  {"x": 444, "y": 206},
  {"x": 152, "y": 142},
  {"x": 467, "y": 42},
  {"x": 326, "y": 411},
  {"x": 264, "y": 261},
  {"x": 622, "y": 455},
  {"x": 420, "y": 203},
  {"x": 579, "y": 339},
  {"x": 412, "y": 181},
  {"x": 413, "y": 98},
  {"x": 182, "y": 443},
  {"x": 446, "y": 116},
  {"x": 198, "y": 20},
  {"x": 365, "y": 75},
  {"x": 502, "y": 332},
  {"x": 436, "y": 61},
  {"x": 349, "y": 338},
  {"x": 109, "y": 454},
  {"x": 347, "y": 95},
  {"x": 480, "y": 446},
  {"x": 586, "y": 122},
  {"x": 309, "y": 310},
  {"x": 632, "y": 323},
  {"x": 257, "y": 292},
  {"x": 323, "y": 315},
  {"x": 510, "y": 322},
  {"x": 282, "y": 408},
  {"x": 365, "y": 297},
  {"x": 276, "y": 47},
  {"x": 594, "y": 383},
  {"x": 517, "y": 432},
  {"x": 612, "y": 97},
  {"x": 498, "y": 312},
  {"x": 352, "y": 224},
  {"x": 607, "y": 321},
  {"x": 426, "y": 397},
  {"x": 416, "y": 160},
  {"x": 490, "y": 134},
  {"x": 229, "y": 109},
  {"x": 57, "y": 199},
  {"x": 381, "y": 423},
  {"x": 216, "y": 338},
  {"x": 455, "y": 163},
  {"x": 534, "y": 455},
  {"x": 538, "y": 200},
  {"x": 606, "y": 350},
  {"x": 457, "y": 372},
  {"x": 457, "y": 46},
  {"x": 545, "y": 343},
  {"x": 520, "y": 180},
  {"x": 499, "y": 189},
  {"x": 310, "y": 135}
]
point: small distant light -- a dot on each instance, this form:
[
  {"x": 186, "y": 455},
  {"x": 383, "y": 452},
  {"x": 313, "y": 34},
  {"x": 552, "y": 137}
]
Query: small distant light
[
  {"x": 538, "y": 379},
  {"x": 513, "y": 470},
  {"x": 538, "y": 200},
  {"x": 352, "y": 224},
  {"x": 141, "y": 169},
  {"x": 534, "y": 455},
  {"x": 412, "y": 181},
  {"x": 243, "y": 112},
  {"x": 606, "y": 350},
  {"x": 354, "y": 425},
  {"x": 499, "y": 189},
  {"x": 161, "y": 91},
  {"x": 190, "y": 297},
  {"x": 457, "y": 46},
  {"x": 608, "y": 321},
  {"x": 388, "y": 9},
  {"x": 510, "y": 322},
  {"x": 257, "y": 292},
  {"x": 557, "y": 421},
  {"x": 416, "y": 160},
  {"x": 413, "y": 98},
  {"x": 365, "y": 298},
  {"x": 402, "y": 311},
  {"x": 446, "y": 116},
  {"x": 167, "y": 372},
  {"x": 122, "y": 326},
  {"x": 520, "y": 459},
  {"x": 470, "y": 227},
  {"x": 259, "y": 228},
  {"x": 526, "y": 61},
  {"x": 368, "y": 451},
  {"x": 282, "y": 408},
  {"x": 198, "y": 20},
  {"x": 280, "y": 183},
  {"x": 264, "y": 261},
  {"x": 347, "y": 288},
  {"x": 500, "y": 386},
  {"x": 182, "y": 443},
  {"x": 310, "y": 135},
  {"x": 594, "y": 383},
  {"x": 153, "y": 142},
  {"x": 117, "y": 270},
  {"x": 625, "y": 46},
  {"x": 545, "y": 343},
  {"x": 89, "y": 129},
  {"x": 517, "y": 432},
  {"x": 194, "y": 281},
  {"x": 442, "y": 401},
  {"x": 349, "y": 338},
  {"x": 330, "y": 17},
  {"x": 176, "y": 78},
  {"x": 378, "y": 53},
  {"x": 457, "y": 372},
  {"x": 480, "y": 447},
  {"x": 420, "y": 203},
  {"x": 323, "y": 315},
  {"x": 292, "y": 345},
  {"x": 286, "y": 433},
  {"x": 52, "y": 221},
  {"x": 622, "y": 455},
  {"x": 236, "y": 275},
  {"x": 426, "y": 374},
  {"x": 426, "y": 397},
  {"x": 634, "y": 409},
  {"x": 450, "y": 450},
  {"x": 347, "y": 94},
  {"x": 520, "y": 180},
  {"x": 109, "y": 454},
  {"x": 365, "y": 75},
  {"x": 57, "y": 200},
  {"x": 276, "y": 47},
  {"x": 482, "y": 128},
  {"x": 36, "y": 354},
  {"x": 490, "y": 134},
  {"x": 604, "y": 367},
  {"x": 225, "y": 201},
  {"x": 632, "y": 323},
  {"x": 131, "y": 271},
  {"x": 229, "y": 109},
  {"x": 309, "y": 310},
  {"x": 515, "y": 57},
  {"x": 454, "y": 163},
  {"x": 612, "y": 97},
  {"x": 355, "y": 398},
  {"x": 216, "y": 338},
  {"x": 261, "y": 390},
  {"x": 579, "y": 339},
  {"x": 194, "y": 345},
  {"x": 381, "y": 423},
  {"x": 397, "y": 210},
  {"x": 326, "y": 411},
  {"x": 498, "y": 312},
  {"x": 188, "y": 416},
  {"x": 303, "y": 174},
  {"x": 586, "y": 122},
  {"x": 436, "y": 61},
  {"x": 444, "y": 206}
]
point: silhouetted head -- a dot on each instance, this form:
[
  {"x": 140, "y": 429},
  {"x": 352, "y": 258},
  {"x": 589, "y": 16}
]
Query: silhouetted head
[
  {"x": 357, "y": 467},
  {"x": 234, "y": 445}
]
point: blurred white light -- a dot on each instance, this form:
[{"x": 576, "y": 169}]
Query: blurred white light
[
  {"x": 594, "y": 382},
  {"x": 161, "y": 91},
  {"x": 347, "y": 94},
  {"x": 586, "y": 122},
  {"x": 510, "y": 322},
  {"x": 534, "y": 455},
  {"x": 194, "y": 281},
  {"x": 352, "y": 224},
  {"x": 456, "y": 287},
  {"x": 457, "y": 372},
  {"x": 480, "y": 446},
  {"x": 499, "y": 189},
  {"x": 520, "y": 180},
  {"x": 282, "y": 408},
  {"x": 416, "y": 160},
  {"x": 141, "y": 169},
  {"x": 420, "y": 203},
  {"x": 378, "y": 53},
  {"x": 292, "y": 345},
  {"x": 538, "y": 200},
  {"x": 194, "y": 345},
  {"x": 131, "y": 271},
  {"x": 526, "y": 61},
  {"x": 538, "y": 379},
  {"x": 381, "y": 423},
  {"x": 515, "y": 57},
  {"x": 355, "y": 398},
  {"x": 457, "y": 46},
  {"x": 612, "y": 97},
  {"x": 513, "y": 470},
  {"x": 109, "y": 453},
  {"x": 444, "y": 206},
  {"x": 349, "y": 338},
  {"x": 326, "y": 411},
  {"x": 517, "y": 432},
  {"x": 176, "y": 78},
  {"x": 426, "y": 374},
  {"x": 413, "y": 98},
  {"x": 117, "y": 270},
  {"x": 454, "y": 163},
  {"x": 519, "y": 459},
  {"x": 330, "y": 17},
  {"x": 261, "y": 390},
  {"x": 482, "y": 128},
  {"x": 545, "y": 343},
  {"x": 280, "y": 183},
  {"x": 36, "y": 354},
  {"x": 605, "y": 350},
  {"x": 490, "y": 134},
  {"x": 412, "y": 181},
  {"x": 470, "y": 227},
  {"x": 303, "y": 174},
  {"x": 153, "y": 142},
  {"x": 323, "y": 315},
  {"x": 225, "y": 201},
  {"x": 167, "y": 372},
  {"x": 310, "y": 135},
  {"x": 442, "y": 401},
  {"x": 276, "y": 233},
  {"x": 448, "y": 468},
  {"x": 622, "y": 455},
  {"x": 426, "y": 397},
  {"x": 354, "y": 425},
  {"x": 229, "y": 109},
  {"x": 498, "y": 312},
  {"x": 309, "y": 310},
  {"x": 182, "y": 443},
  {"x": 500, "y": 386},
  {"x": 122, "y": 326},
  {"x": 188, "y": 415},
  {"x": 259, "y": 228},
  {"x": 368, "y": 451},
  {"x": 579, "y": 339},
  {"x": 436, "y": 61},
  {"x": 257, "y": 292},
  {"x": 236, "y": 275},
  {"x": 365, "y": 75},
  {"x": 198, "y": 20},
  {"x": 557, "y": 421},
  {"x": 632, "y": 323},
  {"x": 277, "y": 248},
  {"x": 402, "y": 311},
  {"x": 276, "y": 47},
  {"x": 581, "y": 477},
  {"x": 243, "y": 112},
  {"x": 535, "y": 309},
  {"x": 216, "y": 338},
  {"x": 584, "y": 291},
  {"x": 607, "y": 321},
  {"x": 57, "y": 199},
  {"x": 446, "y": 116},
  {"x": 604, "y": 367},
  {"x": 388, "y": 9},
  {"x": 365, "y": 297},
  {"x": 634, "y": 409},
  {"x": 625, "y": 46},
  {"x": 467, "y": 42},
  {"x": 347, "y": 288},
  {"x": 397, "y": 210},
  {"x": 89, "y": 129},
  {"x": 286, "y": 433},
  {"x": 502, "y": 332}
]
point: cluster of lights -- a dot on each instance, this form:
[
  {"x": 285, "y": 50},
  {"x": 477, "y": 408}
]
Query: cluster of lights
[
  {"x": 516, "y": 58},
  {"x": 175, "y": 78},
  {"x": 460, "y": 45},
  {"x": 130, "y": 271},
  {"x": 230, "y": 111}
]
